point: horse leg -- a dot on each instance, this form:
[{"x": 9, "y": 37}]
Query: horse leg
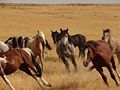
[
  {"x": 114, "y": 67},
  {"x": 100, "y": 70},
  {"x": 41, "y": 59},
  {"x": 66, "y": 64},
  {"x": 79, "y": 54},
  {"x": 109, "y": 67},
  {"x": 72, "y": 58},
  {"x": 5, "y": 78},
  {"x": 43, "y": 82}
]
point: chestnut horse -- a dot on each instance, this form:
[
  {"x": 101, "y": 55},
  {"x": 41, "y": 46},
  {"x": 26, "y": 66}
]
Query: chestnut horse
[
  {"x": 100, "y": 54},
  {"x": 35, "y": 44},
  {"x": 15, "y": 59}
]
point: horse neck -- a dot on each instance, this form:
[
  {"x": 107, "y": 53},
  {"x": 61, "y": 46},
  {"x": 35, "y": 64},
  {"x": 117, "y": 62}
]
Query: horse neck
[{"x": 112, "y": 43}]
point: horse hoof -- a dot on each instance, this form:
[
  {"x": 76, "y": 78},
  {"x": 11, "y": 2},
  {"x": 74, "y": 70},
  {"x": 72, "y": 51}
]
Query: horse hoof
[
  {"x": 49, "y": 85},
  {"x": 118, "y": 84}
]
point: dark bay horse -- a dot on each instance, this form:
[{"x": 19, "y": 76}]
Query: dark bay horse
[
  {"x": 77, "y": 40},
  {"x": 65, "y": 50},
  {"x": 114, "y": 43},
  {"x": 100, "y": 54},
  {"x": 15, "y": 59}
]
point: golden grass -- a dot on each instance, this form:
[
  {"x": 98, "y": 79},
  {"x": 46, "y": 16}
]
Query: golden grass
[{"x": 88, "y": 20}]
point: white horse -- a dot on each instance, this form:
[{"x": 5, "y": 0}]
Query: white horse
[
  {"x": 113, "y": 42},
  {"x": 3, "y": 47}
]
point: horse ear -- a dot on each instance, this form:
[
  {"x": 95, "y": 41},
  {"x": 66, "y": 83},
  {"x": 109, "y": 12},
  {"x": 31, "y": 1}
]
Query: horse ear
[
  {"x": 67, "y": 29},
  {"x": 60, "y": 29},
  {"x": 51, "y": 31},
  {"x": 38, "y": 31}
]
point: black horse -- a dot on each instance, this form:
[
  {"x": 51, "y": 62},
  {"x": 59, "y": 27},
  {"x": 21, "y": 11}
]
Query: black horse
[{"x": 77, "y": 40}]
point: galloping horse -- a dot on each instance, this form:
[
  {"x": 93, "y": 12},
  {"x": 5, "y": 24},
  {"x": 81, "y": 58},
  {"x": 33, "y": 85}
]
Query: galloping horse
[
  {"x": 65, "y": 50},
  {"x": 37, "y": 44},
  {"x": 15, "y": 59},
  {"x": 3, "y": 47},
  {"x": 114, "y": 43},
  {"x": 100, "y": 54},
  {"x": 77, "y": 40}
]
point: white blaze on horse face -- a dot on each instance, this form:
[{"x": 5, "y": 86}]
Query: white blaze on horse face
[
  {"x": 106, "y": 37},
  {"x": 85, "y": 59},
  {"x": 64, "y": 40},
  {"x": 43, "y": 36}
]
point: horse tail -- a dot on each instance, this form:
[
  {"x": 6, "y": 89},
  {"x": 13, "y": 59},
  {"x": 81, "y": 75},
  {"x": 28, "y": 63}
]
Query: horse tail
[
  {"x": 20, "y": 41},
  {"x": 39, "y": 73},
  {"x": 47, "y": 45}
]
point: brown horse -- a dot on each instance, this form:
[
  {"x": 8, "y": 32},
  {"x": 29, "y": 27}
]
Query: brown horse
[
  {"x": 100, "y": 54},
  {"x": 35, "y": 44},
  {"x": 15, "y": 59}
]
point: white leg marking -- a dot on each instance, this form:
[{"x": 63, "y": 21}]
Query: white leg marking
[
  {"x": 45, "y": 82},
  {"x": 8, "y": 82},
  {"x": 85, "y": 59}
]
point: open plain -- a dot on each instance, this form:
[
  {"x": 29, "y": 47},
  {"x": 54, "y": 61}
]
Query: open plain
[{"x": 89, "y": 20}]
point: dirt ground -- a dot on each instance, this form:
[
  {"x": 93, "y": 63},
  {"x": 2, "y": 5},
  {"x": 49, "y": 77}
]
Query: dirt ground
[{"x": 89, "y": 20}]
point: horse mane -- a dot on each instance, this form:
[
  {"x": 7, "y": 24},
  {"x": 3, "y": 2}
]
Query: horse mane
[{"x": 92, "y": 43}]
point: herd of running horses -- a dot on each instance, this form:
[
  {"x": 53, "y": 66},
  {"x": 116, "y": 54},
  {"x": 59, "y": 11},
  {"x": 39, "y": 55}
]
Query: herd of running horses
[{"x": 22, "y": 53}]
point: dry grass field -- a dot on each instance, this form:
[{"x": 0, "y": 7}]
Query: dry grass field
[{"x": 25, "y": 20}]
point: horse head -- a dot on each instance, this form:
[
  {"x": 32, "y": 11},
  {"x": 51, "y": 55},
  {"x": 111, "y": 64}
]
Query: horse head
[
  {"x": 41, "y": 35},
  {"x": 64, "y": 36},
  {"x": 89, "y": 52},
  {"x": 55, "y": 36},
  {"x": 106, "y": 35}
]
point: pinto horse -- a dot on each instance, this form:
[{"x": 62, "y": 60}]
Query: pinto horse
[
  {"x": 77, "y": 40},
  {"x": 65, "y": 50},
  {"x": 100, "y": 54},
  {"x": 37, "y": 44},
  {"x": 114, "y": 43},
  {"x": 15, "y": 59}
]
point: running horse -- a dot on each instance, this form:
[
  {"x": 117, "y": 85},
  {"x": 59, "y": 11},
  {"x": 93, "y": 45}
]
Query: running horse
[
  {"x": 114, "y": 43},
  {"x": 37, "y": 44},
  {"x": 65, "y": 50},
  {"x": 12, "y": 60},
  {"x": 100, "y": 54},
  {"x": 78, "y": 40}
]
